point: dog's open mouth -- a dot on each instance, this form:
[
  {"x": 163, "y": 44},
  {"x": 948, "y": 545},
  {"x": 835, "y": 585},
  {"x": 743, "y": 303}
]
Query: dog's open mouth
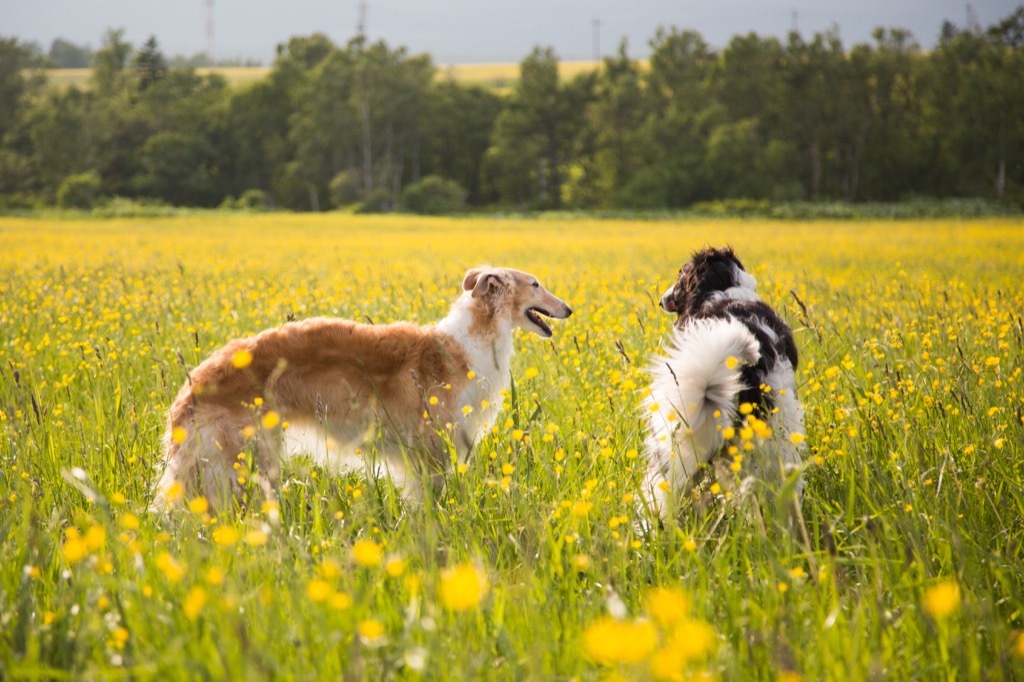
[{"x": 534, "y": 315}]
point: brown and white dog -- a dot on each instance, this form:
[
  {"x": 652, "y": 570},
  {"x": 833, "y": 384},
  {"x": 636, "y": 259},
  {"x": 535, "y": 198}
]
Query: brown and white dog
[
  {"x": 729, "y": 369},
  {"x": 366, "y": 396}
]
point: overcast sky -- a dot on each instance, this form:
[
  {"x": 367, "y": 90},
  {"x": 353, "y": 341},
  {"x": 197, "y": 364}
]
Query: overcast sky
[{"x": 466, "y": 31}]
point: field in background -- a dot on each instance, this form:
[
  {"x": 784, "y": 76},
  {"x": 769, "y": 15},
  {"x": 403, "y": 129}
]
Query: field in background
[
  {"x": 534, "y": 562},
  {"x": 497, "y": 76}
]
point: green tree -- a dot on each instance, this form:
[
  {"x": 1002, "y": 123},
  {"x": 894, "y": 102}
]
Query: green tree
[
  {"x": 812, "y": 74},
  {"x": 677, "y": 124},
  {"x": 390, "y": 90},
  {"x": 62, "y": 136},
  {"x": 979, "y": 107},
  {"x": 64, "y": 54},
  {"x": 361, "y": 113},
  {"x": 460, "y": 121},
  {"x": 281, "y": 120},
  {"x": 179, "y": 168},
  {"x": 615, "y": 119},
  {"x": 896, "y": 159},
  {"x": 150, "y": 64},
  {"x": 20, "y": 82},
  {"x": 110, "y": 63},
  {"x": 535, "y": 133},
  {"x": 747, "y": 150}
]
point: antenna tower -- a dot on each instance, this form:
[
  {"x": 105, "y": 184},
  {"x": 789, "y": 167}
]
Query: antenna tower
[
  {"x": 361, "y": 26},
  {"x": 209, "y": 30}
]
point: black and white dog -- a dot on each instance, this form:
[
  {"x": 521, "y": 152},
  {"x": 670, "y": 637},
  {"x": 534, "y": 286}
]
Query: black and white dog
[{"x": 726, "y": 385}]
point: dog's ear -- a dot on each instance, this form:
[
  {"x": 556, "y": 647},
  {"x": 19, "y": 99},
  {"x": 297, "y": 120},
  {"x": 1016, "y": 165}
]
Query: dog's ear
[
  {"x": 471, "y": 277},
  {"x": 486, "y": 283}
]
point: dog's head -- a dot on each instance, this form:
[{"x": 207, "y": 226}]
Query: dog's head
[
  {"x": 711, "y": 274},
  {"x": 517, "y": 294}
]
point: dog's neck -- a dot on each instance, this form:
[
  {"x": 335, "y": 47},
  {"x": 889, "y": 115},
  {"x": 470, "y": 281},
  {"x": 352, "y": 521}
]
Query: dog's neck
[
  {"x": 743, "y": 289},
  {"x": 487, "y": 342},
  {"x": 488, "y": 347}
]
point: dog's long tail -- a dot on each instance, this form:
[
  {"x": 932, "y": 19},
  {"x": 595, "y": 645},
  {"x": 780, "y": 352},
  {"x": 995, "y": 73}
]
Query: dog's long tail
[
  {"x": 702, "y": 373},
  {"x": 694, "y": 389}
]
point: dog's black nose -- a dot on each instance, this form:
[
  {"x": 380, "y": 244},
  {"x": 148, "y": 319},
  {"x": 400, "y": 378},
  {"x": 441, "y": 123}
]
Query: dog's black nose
[{"x": 568, "y": 311}]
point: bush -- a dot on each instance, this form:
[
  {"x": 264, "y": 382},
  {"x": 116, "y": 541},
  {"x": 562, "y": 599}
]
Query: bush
[
  {"x": 125, "y": 207},
  {"x": 345, "y": 189},
  {"x": 252, "y": 200},
  {"x": 434, "y": 195},
  {"x": 79, "y": 190},
  {"x": 379, "y": 202},
  {"x": 20, "y": 201}
]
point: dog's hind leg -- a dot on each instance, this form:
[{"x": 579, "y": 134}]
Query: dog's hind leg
[{"x": 267, "y": 449}]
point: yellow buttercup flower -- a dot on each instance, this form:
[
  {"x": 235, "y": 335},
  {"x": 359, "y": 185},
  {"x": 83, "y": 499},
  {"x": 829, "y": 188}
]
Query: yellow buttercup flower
[
  {"x": 74, "y": 548},
  {"x": 225, "y": 536},
  {"x": 95, "y": 538},
  {"x": 667, "y": 605},
  {"x": 1018, "y": 645},
  {"x": 394, "y": 566},
  {"x": 693, "y": 639},
  {"x": 194, "y": 603},
  {"x": 318, "y": 590},
  {"x": 214, "y": 575},
  {"x": 172, "y": 570},
  {"x": 241, "y": 359},
  {"x": 463, "y": 587},
  {"x": 270, "y": 420},
  {"x": 371, "y": 631},
  {"x": 367, "y": 553},
  {"x": 609, "y": 641},
  {"x": 942, "y": 599},
  {"x": 256, "y": 538}
]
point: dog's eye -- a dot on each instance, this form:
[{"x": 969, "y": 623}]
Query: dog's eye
[{"x": 536, "y": 285}]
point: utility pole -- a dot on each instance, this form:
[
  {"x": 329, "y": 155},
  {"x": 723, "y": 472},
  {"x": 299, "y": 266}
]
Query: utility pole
[
  {"x": 209, "y": 31},
  {"x": 597, "y": 40}
]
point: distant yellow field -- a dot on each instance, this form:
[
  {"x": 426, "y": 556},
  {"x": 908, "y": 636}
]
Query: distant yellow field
[{"x": 493, "y": 75}]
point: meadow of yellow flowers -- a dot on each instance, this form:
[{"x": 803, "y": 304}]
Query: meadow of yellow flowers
[{"x": 533, "y": 561}]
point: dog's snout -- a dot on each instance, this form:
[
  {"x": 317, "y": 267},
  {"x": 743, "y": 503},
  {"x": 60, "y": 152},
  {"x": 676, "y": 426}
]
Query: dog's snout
[{"x": 568, "y": 310}]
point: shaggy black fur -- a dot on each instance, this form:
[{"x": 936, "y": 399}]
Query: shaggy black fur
[{"x": 693, "y": 297}]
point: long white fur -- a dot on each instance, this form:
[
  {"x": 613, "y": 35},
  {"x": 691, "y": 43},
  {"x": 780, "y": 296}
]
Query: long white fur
[
  {"x": 690, "y": 384},
  {"x": 490, "y": 360}
]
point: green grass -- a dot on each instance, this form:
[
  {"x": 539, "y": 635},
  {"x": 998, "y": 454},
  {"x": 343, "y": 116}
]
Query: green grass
[{"x": 911, "y": 342}]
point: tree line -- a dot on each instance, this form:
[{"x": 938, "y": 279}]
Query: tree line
[{"x": 372, "y": 127}]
